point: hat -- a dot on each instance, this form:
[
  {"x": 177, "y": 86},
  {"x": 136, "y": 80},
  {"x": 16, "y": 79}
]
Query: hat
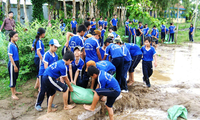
[
  {"x": 88, "y": 35},
  {"x": 54, "y": 42},
  {"x": 117, "y": 40},
  {"x": 110, "y": 35},
  {"x": 73, "y": 17},
  {"x": 108, "y": 40},
  {"x": 78, "y": 47},
  {"x": 97, "y": 32},
  {"x": 90, "y": 63}
]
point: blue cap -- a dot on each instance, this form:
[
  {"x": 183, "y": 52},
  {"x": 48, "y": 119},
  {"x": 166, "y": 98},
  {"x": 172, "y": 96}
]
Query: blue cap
[{"x": 54, "y": 42}]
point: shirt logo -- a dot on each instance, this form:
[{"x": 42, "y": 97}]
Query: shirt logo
[
  {"x": 103, "y": 63},
  {"x": 108, "y": 76},
  {"x": 113, "y": 47},
  {"x": 88, "y": 46},
  {"x": 72, "y": 44},
  {"x": 53, "y": 66}
]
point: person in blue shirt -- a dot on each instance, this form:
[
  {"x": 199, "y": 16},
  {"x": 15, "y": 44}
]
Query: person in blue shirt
[
  {"x": 108, "y": 86},
  {"x": 113, "y": 23},
  {"x": 148, "y": 54},
  {"x": 51, "y": 84},
  {"x": 13, "y": 64},
  {"x": 66, "y": 46},
  {"x": 113, "y": 32},
  {"x": 163, "y": 32},
  {"x": 171, "y": 32},
  {"x": 127, "y": 27},
  {"x": 191, "y": 30},
  {"x": 88, "y": 26},
  {"x": 91, "y": 47},
  {"x": 116, "y": 53},
  {"x": 73, "y": 25},
  {"x": 77, "y": 40},
  {"x": 101, "y": 40},
  {"x": 132, "y": 32},
  {"x": 101, "y": 22},
  {"x": 136, "y": 55},
  {"x": 76, "y": 66},
  {"x": 39, "y": 52},
  {"x": 154, "y": 34},
  {"x": 62, "y": 26},
  {"x": 126, "y": 67},
  {"x": 146, "y": 30},
  {"x": 140, "y": 29},
  {"x": 105, "y": 23},
  {"x": 49, "y": 57},
  {"x": 93, "y": 25},
  {"x": 103, "y": 49}
]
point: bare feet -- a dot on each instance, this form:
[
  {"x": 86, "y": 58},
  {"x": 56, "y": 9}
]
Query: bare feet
[
  {"x": 88, "y": 107},
  {"x": 14, "y": 97},
  {"x": 18, "y": 93},
  {"x": 51, "y": 110},
  {"x": 36, "y": 86},
  {"x": 130, "y": 83},
  {"x": 104, "y": 98},
  {"x": 68, "y": 107}
]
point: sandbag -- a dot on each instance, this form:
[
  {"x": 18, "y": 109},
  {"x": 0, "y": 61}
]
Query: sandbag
[
  {"x": 81, "y": 95},
  {"x": 166, "y": 37},
  {"x": 138, "y": 40},
  {"x": 176, "y": 111}
]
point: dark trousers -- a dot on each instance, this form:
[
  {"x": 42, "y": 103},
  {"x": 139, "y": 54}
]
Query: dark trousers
[
  {"x": 92, "y": 30},
  {"x": 126, "y": 67},
  {"x": 163, "y": 35},
  {"x": 126, "y": 31},
  {"x": 13, "y": 75},
  {"x": 171, "y": 35},
  {"x": 142, "y": 39},
  {"x": 118, "y": 63},
  {"x": 190, "y": 36},
  {"x": 147, "y": 71},
  {"x": 74, "y": 30},
  {"x": 114, "y": 28},
  {"x": 101, "y": 40},
  {"x": 37, "y": 62},
  {"x": 129, "y": 37},
  {"x": 133, "y": 39}
]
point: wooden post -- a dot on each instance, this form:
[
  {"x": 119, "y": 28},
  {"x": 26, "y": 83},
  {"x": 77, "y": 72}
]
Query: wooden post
[
  {"x": 177, "y": 23},
  {"x": 197, "y": 3}
]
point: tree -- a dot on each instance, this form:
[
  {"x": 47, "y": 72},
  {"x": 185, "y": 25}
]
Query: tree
[
  {"x": 84, "y": 12},
  {"x": 25, "y": 12},
  {"x": 7, "y": 7},
  {"x": 74, "y": 8},
  {"x": 37, "y": 9},
  {"x": 65, "y": 9},
  {"x": 18, "y": 10},
  {"x": 91, "y": 9},
  {"x": 81, "y": 9},
  {"x": 197, "y": 3}
]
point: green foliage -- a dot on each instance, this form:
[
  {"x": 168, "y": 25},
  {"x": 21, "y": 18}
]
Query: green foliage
[{"x": 37, "y": 9}]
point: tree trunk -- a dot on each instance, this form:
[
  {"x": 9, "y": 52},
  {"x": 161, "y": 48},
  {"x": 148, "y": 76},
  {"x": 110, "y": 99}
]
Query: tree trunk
[
  {"x": 95, "y": 7},
  {"x": 118, "y": 13},
  {"x": 1, "y": 15},
  {"x": 81, "y": 9},
  {"x": 25, "y": 12},
  {"x": 7, "y": 9},
  {"x": 49, "y": 10},
  {"x": 177, "y": 23},
  {"x": 115, "y": 10},
  {"x": 18, "y": 10},
  {"x": 74, "y": 8},
  {"x": 156, "y": 13},
  {"x": 108, "y": 14},
  {"x": 84, "y": 12},
  {"x": 122, "y": 14},
  {"x": 65, "y": 9},
  {"x": 91, "y": 9},
  {"x": 197, "y": 3},
  {"x": 152, "y": 13}
]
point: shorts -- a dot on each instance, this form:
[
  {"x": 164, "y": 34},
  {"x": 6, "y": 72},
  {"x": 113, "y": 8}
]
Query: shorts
[
  {"x": 51, "y": 85},
  {"x": 110, "y": 93},
  {"x": 13, "y": 75},
  {"x": 114, "y": 28},
  {"x": 37, "y": 62},
  {"x": 135, "y": 61}
]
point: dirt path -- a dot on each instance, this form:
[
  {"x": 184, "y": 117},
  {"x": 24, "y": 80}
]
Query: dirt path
[{"x": 175, "y": 82}]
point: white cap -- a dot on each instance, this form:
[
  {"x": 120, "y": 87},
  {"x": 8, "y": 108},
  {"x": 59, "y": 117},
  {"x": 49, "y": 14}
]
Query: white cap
[{"x": 54, "y": 42}]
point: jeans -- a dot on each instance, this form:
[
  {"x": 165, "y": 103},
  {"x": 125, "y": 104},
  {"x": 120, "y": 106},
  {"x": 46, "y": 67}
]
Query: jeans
[
  {"x": 190, "y": 36},
  {"x": 126, "y": 67},
  {"x": 74, "y": 30}
]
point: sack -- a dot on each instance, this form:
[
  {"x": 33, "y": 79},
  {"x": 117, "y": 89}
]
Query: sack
[
  {"x": 176, "y": 111},
  {"x": 166, "y": 37},
  {"x": 138, "y": 40},
  {"x": 81, "y": 95}
]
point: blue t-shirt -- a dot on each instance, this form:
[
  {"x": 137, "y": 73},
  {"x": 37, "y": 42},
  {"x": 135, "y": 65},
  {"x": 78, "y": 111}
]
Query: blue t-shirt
[
  {"x": 39, "y": 46},
  {"x": 49, "y": 59},
  {"x": 132, "y": 30},
  {"x": 127, "y": 55},
  {"x": 73, "y": 23},
  {"x": 75, "y": 41},
  {"x": 78, "y": 66},
  {"x": 163, "y": 27},
  {"x": 87, "y": 32},
  {"x": 103, "y": 53},
  {"x": 115, "y": 34},
  {"x": 157, "y": 33},
  {"x": 92, "y": 23},
  {"x": 56, "y": 70},
  {"x": 101, "y": 22},
  {"x": 114, "y": 51},
  {"x": 91, "y": 44},
  {"x": 191, "y": 29},
  {"x": 126, "y": 24},
  {"x": 145, "y": 30},
  {"x": 105, "y": 65},
  {"x": 105, "y": 23},
  {"x": 140, "y": 27},
  {"x": 167, "y": 29},
  {"x": 106, "y": 80},
  {"x": 33, "y": 43},
  {"x": 103, "y": 32},
  {"x": 62, "y": 27},
  {"x": 154, "y": 31},
  {"x": 12, "y": 50},
  {"x": 172, "y": 28},
  {"x": 114, "y": 22},
  {"x": 134, "y": 49},
  {"x": 148, "y": 54}
]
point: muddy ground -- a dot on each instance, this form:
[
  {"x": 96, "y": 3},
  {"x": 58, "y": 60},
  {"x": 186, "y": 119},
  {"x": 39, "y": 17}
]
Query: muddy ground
[{"x": 175, "y": 81}]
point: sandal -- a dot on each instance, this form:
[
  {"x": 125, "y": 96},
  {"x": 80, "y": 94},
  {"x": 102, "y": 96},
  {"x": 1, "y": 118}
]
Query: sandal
[
  {"x": 38, "y": 108},
  {"x": 54, "y": 106}
]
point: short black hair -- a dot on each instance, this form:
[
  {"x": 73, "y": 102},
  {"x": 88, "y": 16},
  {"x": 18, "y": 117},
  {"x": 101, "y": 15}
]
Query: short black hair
[
  {"x": 81, "y": 28},
  {"x": 147, "y": 38},
  {"x": 88, "y": 18},
  {"x": 101, "y": 17},
  {"x": 114, "y": 15},
  {"x": 139, "y": 22},
  {"x": 154, "y": 26},
  {"x": 10, "y": 12},
  {"x": 87, "y": 24},
  {"x": 100, "y": 25},
  {"x": 105, "y": 17},
  {"x": 170, "y": 23},
  {"x": 69, "y": 55},
  {"x": 11, "y": 34},
  {"x": 108, "y": 40},
  {"x": 110, "y": 28},
  {"x": 130, "y": 21},
  {"x": 146, "y": 24},
  {"x": 92, "y": 70},
  {"x": 93, "y": 18}
]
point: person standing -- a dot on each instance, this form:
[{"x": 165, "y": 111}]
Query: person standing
[
  {"x": 163, "y": 32},
  {"x": 113, "y": 23},
  {"x": 127, "y": 27},
  {"x": 8, "y": 24},
  {"x": 73, "y": 25},
  {"x": 191, "y": 33},
  {"x": 171, "y": 31},
  {"x": 93, "y": 25}
]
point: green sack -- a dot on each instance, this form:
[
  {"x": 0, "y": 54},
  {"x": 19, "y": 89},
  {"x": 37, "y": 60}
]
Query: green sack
[
  {"x": 138, "y": 40},
  {"x": 81, "y": 95},
  {"x": 176, "y": 111},
  {"x": 114, "y": 75},
  {"x": 166, "y": 37}
]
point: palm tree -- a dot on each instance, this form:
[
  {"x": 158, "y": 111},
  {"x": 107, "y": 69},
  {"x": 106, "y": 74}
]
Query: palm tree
[
  {"x": 18, "y": 10},
  {"x": 25, "y": 12},
  {"x": 74, "y": 8},
  {"x": 65, "y": 9}
]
